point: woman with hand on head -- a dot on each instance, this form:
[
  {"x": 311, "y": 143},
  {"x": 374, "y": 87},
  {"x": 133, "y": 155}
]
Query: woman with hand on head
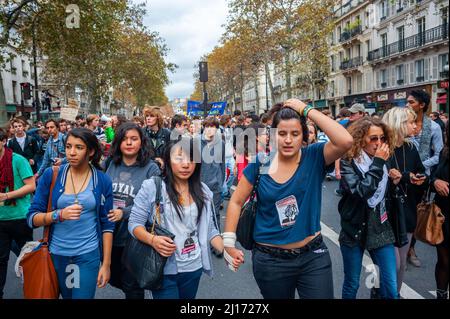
[
  {"x": 289, "y": 253},
  {"x": 81, "y": 234},
  {"x": 364, "y": 217},
  {"x": 128, "y": 167},
  {"x": 406, "y": 177}
]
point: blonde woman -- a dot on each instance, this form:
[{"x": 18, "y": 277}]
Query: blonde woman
[{"x": 407, "y": 175}]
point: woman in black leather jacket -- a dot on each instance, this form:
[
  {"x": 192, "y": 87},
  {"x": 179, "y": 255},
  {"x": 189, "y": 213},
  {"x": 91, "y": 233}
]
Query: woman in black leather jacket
[
  {"x": 440, "y": 185},
  {"x": 364, "y": 219}
]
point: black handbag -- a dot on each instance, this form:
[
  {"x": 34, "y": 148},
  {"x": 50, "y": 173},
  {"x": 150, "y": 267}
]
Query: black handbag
[
  {"x": 397, "y": 217},
  {"x": 142, "y": 260},
  {"x": 246, "y": 224}
]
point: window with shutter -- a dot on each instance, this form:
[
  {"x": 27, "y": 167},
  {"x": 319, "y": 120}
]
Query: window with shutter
[
  {"x": 377, "y": 79},
  {"x": 406, "y": 77},
  {"x": 435, "y": 67},
  {"x": 411, "y": 73},
  {"x": 426, "y": 73},
  {"x": 392, "y": 76}
]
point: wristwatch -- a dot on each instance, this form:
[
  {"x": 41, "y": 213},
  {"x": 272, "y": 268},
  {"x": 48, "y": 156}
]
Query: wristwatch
[{"x": 55, "y": 216}]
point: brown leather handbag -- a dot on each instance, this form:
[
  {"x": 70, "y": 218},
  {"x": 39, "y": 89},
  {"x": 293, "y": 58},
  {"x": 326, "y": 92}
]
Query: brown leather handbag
[
  {"x": 429, "y": 222},
  {"x": 39, "y": 276}
]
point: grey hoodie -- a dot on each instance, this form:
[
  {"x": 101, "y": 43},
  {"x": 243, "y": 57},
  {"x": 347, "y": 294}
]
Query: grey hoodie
[
  {"x": 126, "y": 183},
  {"x": 213, "y": 163}
]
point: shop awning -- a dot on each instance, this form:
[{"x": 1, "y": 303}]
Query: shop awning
[{"x": 442, "y": 99}]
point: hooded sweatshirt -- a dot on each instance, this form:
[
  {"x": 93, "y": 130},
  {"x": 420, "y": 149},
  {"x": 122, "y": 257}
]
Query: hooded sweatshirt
[{"x": 126, "y": 182}]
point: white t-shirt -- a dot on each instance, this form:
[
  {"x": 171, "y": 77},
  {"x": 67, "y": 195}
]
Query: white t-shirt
[{"x": 21, "y": 141}]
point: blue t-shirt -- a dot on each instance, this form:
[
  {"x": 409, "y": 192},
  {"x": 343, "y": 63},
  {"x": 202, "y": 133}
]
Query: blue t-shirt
[
  {"x": 76, "y": 237},
  {"x": 290, "y": 212}
]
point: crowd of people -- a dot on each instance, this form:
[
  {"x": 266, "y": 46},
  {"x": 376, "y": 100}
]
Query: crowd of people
[{"x": 112, "y": 168}]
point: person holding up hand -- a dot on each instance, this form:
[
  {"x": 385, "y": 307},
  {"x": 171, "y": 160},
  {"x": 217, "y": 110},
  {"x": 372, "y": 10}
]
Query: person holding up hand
[
  {"x": 364, "y": 217},
  {"x": 289, "y": 252},
  {"x": 81, "y": 234}
]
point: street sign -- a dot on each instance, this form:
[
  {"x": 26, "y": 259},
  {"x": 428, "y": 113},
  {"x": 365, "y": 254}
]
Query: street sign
[{"x": 443, "y": 84}]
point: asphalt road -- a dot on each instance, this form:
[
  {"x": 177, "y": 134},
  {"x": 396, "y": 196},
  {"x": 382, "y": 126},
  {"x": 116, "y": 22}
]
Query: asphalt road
[{"x": 419, "y": 282}]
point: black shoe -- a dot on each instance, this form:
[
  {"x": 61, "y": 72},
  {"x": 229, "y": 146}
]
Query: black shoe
[{"x": 339, "y": 192}]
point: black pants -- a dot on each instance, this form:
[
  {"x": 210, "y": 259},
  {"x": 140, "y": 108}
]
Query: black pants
[
  {"x": 279, "y": 273},
  {"x": 11, "y": 230},
  {"x": 121, "y": 278}
]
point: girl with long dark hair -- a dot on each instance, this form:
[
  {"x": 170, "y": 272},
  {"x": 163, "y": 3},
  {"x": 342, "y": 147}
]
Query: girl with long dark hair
[
  {"x": 187, "y": 210},
  {"x": 80, "y": 235},
  {"x": 129, "y": 166}
]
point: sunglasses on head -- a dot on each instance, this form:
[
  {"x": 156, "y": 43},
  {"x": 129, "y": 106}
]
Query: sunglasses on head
[{"x": 374, "y": 139}]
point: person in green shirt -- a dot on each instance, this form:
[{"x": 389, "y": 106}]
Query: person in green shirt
[{"x": 17, "y": 182}]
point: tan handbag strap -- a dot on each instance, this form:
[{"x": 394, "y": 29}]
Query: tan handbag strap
[{"x": 49, "y": 205}]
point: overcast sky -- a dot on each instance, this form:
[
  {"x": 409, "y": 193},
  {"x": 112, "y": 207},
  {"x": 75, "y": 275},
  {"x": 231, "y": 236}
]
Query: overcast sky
[{"x": 190, "y": 29}]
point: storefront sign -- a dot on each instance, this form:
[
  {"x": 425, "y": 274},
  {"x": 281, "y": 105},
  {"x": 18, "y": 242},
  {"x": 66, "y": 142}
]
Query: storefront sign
[
  {"x": 383, "y": 97},
  {"x": 399, "y": 95},
  {"x": 443, "y": 84}
]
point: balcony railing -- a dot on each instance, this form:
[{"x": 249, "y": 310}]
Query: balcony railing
[
  {"x": 429, "y": 36},
  {"x": 13, "y": 70},
  {"x": 353, "y": 63},
  {"x": 347, "y": 35},
  {"x": 347, "y": 7},
  {"x": 420, "y": 79},
  {"x": 384, "y": 85},
  {"x": 443, "y": 75},
  {"x": 400, "y": 82}
]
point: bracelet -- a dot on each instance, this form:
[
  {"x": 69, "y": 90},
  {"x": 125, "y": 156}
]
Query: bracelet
[
  {"x": 229, "y": 239},
  {"x": 60, "y": 218},
  {"x": 306, "y": 110},
  {"x": 152, "y": 240}
]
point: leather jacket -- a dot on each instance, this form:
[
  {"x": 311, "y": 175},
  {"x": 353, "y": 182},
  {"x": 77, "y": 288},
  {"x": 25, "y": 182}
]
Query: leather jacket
[
  {"x": 360, "y": 224},
  {"x": 158, "y": 140}
]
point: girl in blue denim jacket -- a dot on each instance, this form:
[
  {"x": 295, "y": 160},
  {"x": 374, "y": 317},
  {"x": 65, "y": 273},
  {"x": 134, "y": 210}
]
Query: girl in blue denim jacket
[{"x": 81, "y": 234}]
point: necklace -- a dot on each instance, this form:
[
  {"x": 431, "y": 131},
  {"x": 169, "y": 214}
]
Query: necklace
[
  {"x": 73, "y": 186},
  {"x": 405, "y": 191},
  {"x": 181, "y": 199}
]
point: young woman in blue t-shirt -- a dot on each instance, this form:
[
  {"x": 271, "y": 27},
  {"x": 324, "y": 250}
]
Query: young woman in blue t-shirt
[
  {"x": 289, "y": 253},
  {"x": 80, "y": 233}
]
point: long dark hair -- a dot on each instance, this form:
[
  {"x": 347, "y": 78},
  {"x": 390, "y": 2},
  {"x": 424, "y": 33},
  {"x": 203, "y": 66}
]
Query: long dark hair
[
  {"x": 188, "y": 147},
  {"x": 91, "y": 141},
  {"x": 145, "y": 152}
]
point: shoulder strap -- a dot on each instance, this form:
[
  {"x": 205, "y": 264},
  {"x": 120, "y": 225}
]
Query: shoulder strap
[
  {"x": 255, "y": 186},
  {"x": 49, "y": 204},
  {"x": 157, "y": 216}
]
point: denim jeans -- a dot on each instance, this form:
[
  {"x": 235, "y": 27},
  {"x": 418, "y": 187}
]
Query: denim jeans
[
  {"x": 383, "y": 258},
  {"x": 16, "y": 231},
  {"x": 310, "y": 273},
  {"x": 183, "y": 285},
  {"x": 229, "y": 163},
  {"x": 77, "y": 275}
]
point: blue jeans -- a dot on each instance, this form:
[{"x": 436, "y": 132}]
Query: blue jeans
[
  {"x": 383, "y": 257},
  {"x": 310, "y": 273},
  {"x": 229, "y": 163},
  {"x": 77, "y": 275},
  {"x": 183, "y": 285}
]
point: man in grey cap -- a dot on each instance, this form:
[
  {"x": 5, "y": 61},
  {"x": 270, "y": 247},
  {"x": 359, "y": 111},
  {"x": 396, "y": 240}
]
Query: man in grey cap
[{"x": 357, "y": 111}]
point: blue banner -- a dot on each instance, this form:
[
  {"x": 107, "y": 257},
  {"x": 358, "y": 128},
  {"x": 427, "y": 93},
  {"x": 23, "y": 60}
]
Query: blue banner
[{"x": 215, "y": 108}]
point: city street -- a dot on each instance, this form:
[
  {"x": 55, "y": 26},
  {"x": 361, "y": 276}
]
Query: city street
[{"x": 419, "y": 282}]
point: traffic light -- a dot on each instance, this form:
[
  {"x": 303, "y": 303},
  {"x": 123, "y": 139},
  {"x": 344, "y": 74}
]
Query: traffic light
[
  {"x": 203, "y": 70},
  {"x": 26, "y": 90}
]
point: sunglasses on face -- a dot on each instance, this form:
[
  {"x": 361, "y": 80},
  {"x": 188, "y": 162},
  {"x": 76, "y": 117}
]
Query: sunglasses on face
[{"x": 374, "y": 139}]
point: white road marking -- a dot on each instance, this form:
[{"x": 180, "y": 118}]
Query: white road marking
[{"x": 406, "y": 291}]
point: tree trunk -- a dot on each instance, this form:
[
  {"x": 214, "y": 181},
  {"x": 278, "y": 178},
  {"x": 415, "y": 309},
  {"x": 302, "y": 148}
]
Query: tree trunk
[
  {"x": 288, "y": 67},
  {"x": 256, "y": 80},
  {"x": 241, "y": 107},
  {"x": 270, "y": 83}
]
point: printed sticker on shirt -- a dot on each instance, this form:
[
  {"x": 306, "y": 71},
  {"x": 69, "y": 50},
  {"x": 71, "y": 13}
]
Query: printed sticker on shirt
[
  {"x": 189, "y": 245},
  {"x": 287, "y": 210},
  {"x": 383, "y": 212},
  {"x": 118, "y": 203}
]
